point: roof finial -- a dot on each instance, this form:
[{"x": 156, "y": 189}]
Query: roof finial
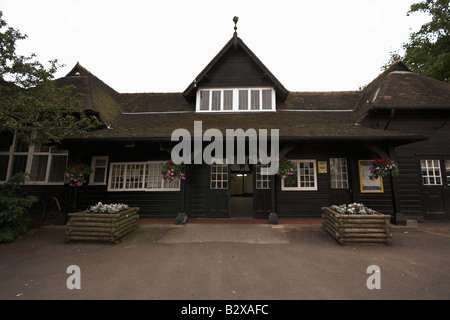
[{"x": 235, "y": 41}]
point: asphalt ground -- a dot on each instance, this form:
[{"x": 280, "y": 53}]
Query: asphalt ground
[{"x": 225, "y": 262}]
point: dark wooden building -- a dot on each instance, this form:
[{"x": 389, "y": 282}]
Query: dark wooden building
[{"x": 329, "y": 136}]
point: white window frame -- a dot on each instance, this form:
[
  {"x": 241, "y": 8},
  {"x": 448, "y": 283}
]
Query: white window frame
[
  {"x": 435, "y": 166},
  {"x": 235, "y": 106},
  {"x": 339, "y": 174},
  {"x": 216, "y": 180},
  {"x": 30, "y": 153},
  {"x": 94, "y": 166},
  {"x": 447, "y": 170},
  {"x": 144, "y": 178},
  {"x": 299, "y": 187},
  {"x": 262, "y": 180}
]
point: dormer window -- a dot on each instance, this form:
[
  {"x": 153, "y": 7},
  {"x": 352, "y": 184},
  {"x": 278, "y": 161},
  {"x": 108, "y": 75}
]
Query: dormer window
[{"x": 235, "y": 99}]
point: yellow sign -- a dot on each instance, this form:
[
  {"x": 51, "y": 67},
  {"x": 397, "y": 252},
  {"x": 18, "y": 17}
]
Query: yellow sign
[
  {"x": 322, "y": 166},
  {"x": 368, "y": 185}
]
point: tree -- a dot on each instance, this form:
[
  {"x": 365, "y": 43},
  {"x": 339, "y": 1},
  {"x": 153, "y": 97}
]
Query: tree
[
  {"x": 428, "y": 50},
  {"x": 14, "y": 203},
  {"x": 31, "y": 98}
]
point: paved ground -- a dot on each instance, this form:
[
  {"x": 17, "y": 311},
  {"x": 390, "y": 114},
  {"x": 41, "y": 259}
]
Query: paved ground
[{"x": 228, "y": 262}]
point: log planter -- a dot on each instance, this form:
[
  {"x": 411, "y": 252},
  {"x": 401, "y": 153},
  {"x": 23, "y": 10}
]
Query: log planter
[
  {"x": 101, "y": 227},
  {"x": 357, "y": 228}
]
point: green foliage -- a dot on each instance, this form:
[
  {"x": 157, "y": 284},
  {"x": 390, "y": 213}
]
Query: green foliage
[
  {"x": 30, "y": 97},
  {"x": 14, "y": 203},
  {"x": 428, "y": 50}
]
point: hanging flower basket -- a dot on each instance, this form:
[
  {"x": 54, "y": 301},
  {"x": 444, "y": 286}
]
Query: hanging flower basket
[
  {"x": 287, "y": 171},
  {"x": 76, "y": 174},
  {"x": 171, "y": 171},
  {"x": 383, "y": 168}
]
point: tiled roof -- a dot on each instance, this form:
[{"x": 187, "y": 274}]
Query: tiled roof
[
  {"x": 300, "y": 125},
  {"x": 154, "y": 102},
  {"x": 164, "y": 102},
  {"x": 97, "y": 95},
  {"x": 409, "y": 90},
  {"x": 399, "y": 88},
  {"x": 302, "y": 115},
  {"x": 335, "y": 100}
]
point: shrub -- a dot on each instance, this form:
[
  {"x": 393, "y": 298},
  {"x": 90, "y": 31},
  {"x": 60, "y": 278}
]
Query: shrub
[{"x": 14, "y": 205}]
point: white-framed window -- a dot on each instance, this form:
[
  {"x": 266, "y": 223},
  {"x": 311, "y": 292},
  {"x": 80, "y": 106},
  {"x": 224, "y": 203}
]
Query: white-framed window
[
  {"x": 447, "y": 170},
  {"x": 45, "y": 164},
  {"x": 99, "y": 165},
  {"x": 338, "y": 173},
  {"x": 262, "y": 180},
  {"x": 304, "y": 178},
  {"x": 139, "y": 176},
  {"x": 431, "y": 172},
  {"x": 235, "y": 100},
  {"x": 219, "y": 176}
]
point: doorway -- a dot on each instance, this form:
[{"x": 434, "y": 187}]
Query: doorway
[{"x": 241, "y": 202}]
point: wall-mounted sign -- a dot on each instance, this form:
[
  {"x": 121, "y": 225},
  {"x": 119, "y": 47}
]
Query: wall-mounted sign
[
  {"x": 366, "y": 184},
  {"x": 322, "y": 166}
]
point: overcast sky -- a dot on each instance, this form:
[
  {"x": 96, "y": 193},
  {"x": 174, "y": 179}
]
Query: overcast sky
[{"x": 161, "y": 46}]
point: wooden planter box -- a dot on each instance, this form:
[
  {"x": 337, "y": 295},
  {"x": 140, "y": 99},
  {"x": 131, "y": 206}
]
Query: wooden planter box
[
  {"x": 357, "y": 229},
  {"x": 101, "y": 227}
]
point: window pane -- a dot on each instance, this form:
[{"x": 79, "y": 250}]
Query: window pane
[
  {"x": 243, "y": 99},
  {"x": 216, "y": 96},
  {"x": 204, "y": 100},
  {"x": 228, "y": 100},
  {"x": 255, "y": 99},
  {"x": 267, "y": 99},
  {"x": 431, "y": 172},
  {"x": 3, "y": 167},
  {"x": 154, "y": 174},
  {"x": 338, "y": 168},
  {"x": 100, "y": 163},
  {"x": 19, "y": 164},
  {"x": 57, "y": 167},
  {"x": 20, "y": 146},
  {"x": 38, "y": 168},
  {"x": 262, "y": 180},
  {"x": 447, "y": 169},
  {"x": 219, "y": 176}
]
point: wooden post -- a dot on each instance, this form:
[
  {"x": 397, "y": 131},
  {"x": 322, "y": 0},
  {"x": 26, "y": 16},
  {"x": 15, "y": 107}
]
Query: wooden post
[
  {"x": 394, "y": 186},
  {"x": 273, "y": 217},
  {"x": 182, "y": 217}
]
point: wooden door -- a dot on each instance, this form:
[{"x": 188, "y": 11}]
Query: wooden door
[
  {"x": 261, "y": 193},
  {"x": 218, "y": 201},
  {"x": 340, "y": 182},
  {"x": 435, "y": 186}
]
